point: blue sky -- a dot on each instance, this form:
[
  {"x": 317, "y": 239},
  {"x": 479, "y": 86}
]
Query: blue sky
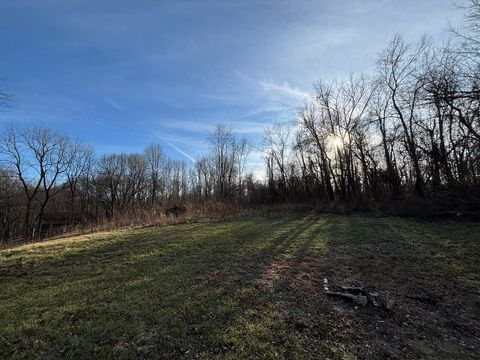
[{"x": 122, "y": 74}]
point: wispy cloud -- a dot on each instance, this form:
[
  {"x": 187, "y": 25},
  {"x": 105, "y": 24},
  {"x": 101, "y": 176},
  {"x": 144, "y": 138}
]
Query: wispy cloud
[
  {"x": 238, "y": 125},
  {"x": 196, "y": 144},
  {"x": 182, "y": 144},
  {"x": 180, "y": 151},
  {"x": 265, "y": 110},
  {"x": 113, "y": 104},
  {"x": 188, "y": 126},
  {"x": 285, "y": 88}
]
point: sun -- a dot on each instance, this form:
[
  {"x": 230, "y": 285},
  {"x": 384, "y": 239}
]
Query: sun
[{"x": 335, "y": 142}]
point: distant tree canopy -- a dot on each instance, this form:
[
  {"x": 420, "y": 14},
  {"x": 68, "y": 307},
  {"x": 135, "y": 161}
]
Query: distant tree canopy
[{"x": 412, "y": 127}]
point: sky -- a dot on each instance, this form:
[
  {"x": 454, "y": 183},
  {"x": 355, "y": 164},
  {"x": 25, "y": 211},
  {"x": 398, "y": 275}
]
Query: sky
[{"x": 121, "y": 74}]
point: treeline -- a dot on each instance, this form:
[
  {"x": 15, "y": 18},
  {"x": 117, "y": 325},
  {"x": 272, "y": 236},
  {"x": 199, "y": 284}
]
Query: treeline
[
  {"x": 48, "y": 180},
  {"x": 412, "y": 127}
]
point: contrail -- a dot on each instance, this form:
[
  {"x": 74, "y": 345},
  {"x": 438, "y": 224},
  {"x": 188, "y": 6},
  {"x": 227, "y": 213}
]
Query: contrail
[{"x": 180, "y": 151}]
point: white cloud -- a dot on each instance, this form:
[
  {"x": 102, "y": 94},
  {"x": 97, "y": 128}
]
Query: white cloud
[{"x": 285, "y": 88}]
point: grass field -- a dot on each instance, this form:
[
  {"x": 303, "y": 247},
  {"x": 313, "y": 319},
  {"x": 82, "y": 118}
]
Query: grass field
[{"x": 246, "y": 288}]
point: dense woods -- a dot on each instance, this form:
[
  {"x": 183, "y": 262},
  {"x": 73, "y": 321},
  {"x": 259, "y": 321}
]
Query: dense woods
[{"x": 410, "y": 128}]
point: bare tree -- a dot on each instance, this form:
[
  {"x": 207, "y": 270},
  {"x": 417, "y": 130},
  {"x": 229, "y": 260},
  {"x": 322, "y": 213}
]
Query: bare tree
[
  {"x": 39, "y": 158},
  {"x": 243, "y": 148},
  {"x": 276, "y": 146},
  {"x": 399, "y": 72},
  {"x": 80, "y": 168},
  {"x": 381, "y": 117},
  {"x": 469, "y": 32},
  {"x": 204, "y": 175},
  {"x": 155, "y": 159},
  {"x": 10, "y": 206},
  {"x": 223, "y": 154}
]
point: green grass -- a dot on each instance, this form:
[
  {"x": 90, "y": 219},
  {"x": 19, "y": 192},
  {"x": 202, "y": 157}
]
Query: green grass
[{"x": 246, "y": 288}]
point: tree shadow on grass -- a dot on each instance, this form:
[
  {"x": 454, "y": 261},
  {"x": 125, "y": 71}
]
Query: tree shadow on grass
[
  {"x": 246, "y": 289},
  {"x": 396, "y": 257},
  {"x": 119, "y": 297}
]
